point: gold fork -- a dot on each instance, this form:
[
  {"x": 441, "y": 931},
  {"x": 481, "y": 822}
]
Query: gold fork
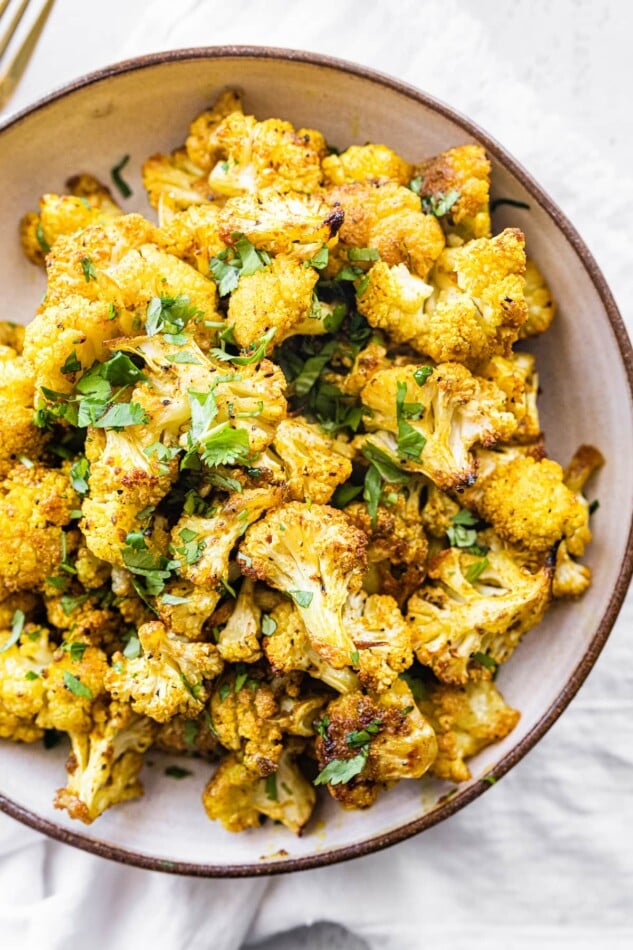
[{"x": 11, "y": 74}]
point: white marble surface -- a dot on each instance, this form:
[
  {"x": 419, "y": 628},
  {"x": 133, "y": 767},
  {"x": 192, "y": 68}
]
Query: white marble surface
[{"x": 555, "y": 836}]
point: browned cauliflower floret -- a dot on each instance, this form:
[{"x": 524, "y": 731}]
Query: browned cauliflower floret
[
  {"x": 312, "y": 464},
  {"x": 204, "y": 544},
  {"x": 381, "y": 637},
  {"x": 314, "y": 554},
  {"x": 19, "y": 436},
  {"x": 474, "y": 605},
  {"x": 35, "y": 504},
  {"x": 397, "y": 550},
  {"x": 287, "y": 648},
  {"x": 29, "y": 602},
  {"x": 371, "y": 358},
  {"x": 438, "y": 511},
  {"x": 239, "y": 798},
  {"x": 435, "y": 420},
  {"x": 252, "y": 156},
  {"x": 85, "y": 616},
  {"x": 244, "y": 712},
  {"x": 169, "y": 676},
  {"x": 278, "y": 296},
  {"x": 516, "y": 375},
  {"x": 201, "y": 144},
  {"x": 129, "y": 604},
  {"x": 297, "y": 225},
  {"x": 460, "y": 178},
  {"x": 23, "y": 662},
  {"x": 89, "y": 202},
  {"x": 72, "y": 683},
  {"x": 92, "y": 573},
  {"x": 124, "y": 480},
  {"x": 239, "y": 640},
  {"x": 528, "y": 503},
  {"x": 472, "y": 307},
  {"x": 540, "y": 303},
  {"x": 185, "y": 607},
  {"x": 466, "y": 719},
  {"x": 365, "y": 163},
  {"x": 366, "y": 742},
  {"x": 105, "y": 763},
  {"x": 389, "y": 219},
  {"x": 181, "y": 736}
]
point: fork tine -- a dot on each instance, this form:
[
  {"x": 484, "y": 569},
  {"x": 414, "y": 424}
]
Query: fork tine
[
  {"x": 14, "y": 71},
  {"x": 13, "y": 25}
]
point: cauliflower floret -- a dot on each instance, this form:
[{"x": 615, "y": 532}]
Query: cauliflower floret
[
  {"x": 92, "y": 573},
  {"x": 28, "y": 602},
  {"x": 181, "y": 736},
  {"x": 19, "y": 436},
  {"x": 173, "y": 183},
  {"x": 244, "y": 713},
  {"x": 22, "y": 687},
  {"x": 204, "y": 544},
  {"x": 238, "y": 641},
  {"x": 365, "y": 163},
  {"x": 168, "y": 678},
  {"x": 466, "y": 719},
  {"x": 527, "y": 503},
  {"x": 287, "y": 648},
  {"x": 202, "y": 147},
  {"x": 516, "y": 375},
  {"x": 388, "y": 218},
  {"x": 133, "y": 610},
  {"x": 35, "y": 504},
  {"x": 314, "y": 554},
  {"x": 310, "y": 458},
  {"x": 298, "y": 715},
  {"x": 381, "y": 637},
  {"x": 193, "y": 235},
  {"x": 473, "y": 605},
  {"x": 238, "y": 798},
  {"x": 105, "y": 763},
  {"x": 472, "y": 307},
  {"x": 464, "y": 173},
  {"x": 257, "y": 155},
  {"x": 278, "y": 296},
  {"x": 367, "y": 741},
  {"x": 570, "y": 578},
  {"x": 76, "y": 263},
  {"x": 297, "y": 225},
  {"x": 398, "y": 548},
  {"x": 12, "y": 336},
  {"x": 87, "y": 616},
  {"x": 192, "y": 608},
  {"x": 438, "y": 420},
  {"x": 73, "y": 682},
  {"x": 541, "y": 305},
  {"x": 438, "y": 512},
  {"x": 371, "y": 358},
  {"x": 124, "y": 480},
  {"x": 89, "y": 202}
]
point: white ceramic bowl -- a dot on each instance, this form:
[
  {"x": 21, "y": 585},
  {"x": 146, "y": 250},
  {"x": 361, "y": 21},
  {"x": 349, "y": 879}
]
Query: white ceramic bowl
[{"x": 585, "y": 360}]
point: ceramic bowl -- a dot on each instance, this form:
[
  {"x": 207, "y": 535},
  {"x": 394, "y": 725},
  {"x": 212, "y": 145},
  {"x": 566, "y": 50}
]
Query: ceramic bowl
[{"x": 585, "y": 360}]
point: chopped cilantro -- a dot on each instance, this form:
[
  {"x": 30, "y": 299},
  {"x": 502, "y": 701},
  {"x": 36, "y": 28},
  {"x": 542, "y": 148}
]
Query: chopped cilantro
[
  {"x": 421, "y": 374},
  {"x": 253, "y": 353},
  {"x": 115, "y": 174},
  {"x": 487, "y": 662},
  {"x": 169, "y": 314},
  {"x": 71, "y": 365},
  {"x": 440, "y": 204},
  {"x": 363, "y": 254},
  {"x": 595, "y": 504},
  {"x": 354, "y": 657},
  {"x": 31, "y": 675},
  {"x": 175, "y": 771},
  {"x": 321, "y": 727},
  {"x": 79, "y": 474},
  {"x": 320, "y": 259},
  {"x": 183, "y": 356},
  {"x": 344, "y": 494},
  {"x": 88, "y": 269},
  {"x": 303, "y": 598},
  {"x": 75, "y": 650},
  {"x": 145, "y": 513},
  {"x": 359, "y": 737},
  {"x": 268, "y": 625},
  {"x": 171, "y": 600},
  {"x": 190, "y": 732},
  {"x": 417, "y": 687},
  {"x": 410, "y": 441},
  {"x": 17, "y": 626},
  {"x": 271, "y": 787},
  {"x": 342, "y": 771},
  {"x": 476, "y": 569},
  {"x": 136, "y": 540},
  {"x": 41, "y": 238},
  {"x": 225, "y": 689},
  {"x": 76, "y": 686},
  {"x": 132, "y": 649}
]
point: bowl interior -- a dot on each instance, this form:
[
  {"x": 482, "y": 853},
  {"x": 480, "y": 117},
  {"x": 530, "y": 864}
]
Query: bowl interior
[{"x": 585, "y": 398}]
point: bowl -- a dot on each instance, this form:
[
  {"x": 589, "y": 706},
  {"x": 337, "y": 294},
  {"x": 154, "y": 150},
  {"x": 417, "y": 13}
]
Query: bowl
[{"x": 586, "y": 366}]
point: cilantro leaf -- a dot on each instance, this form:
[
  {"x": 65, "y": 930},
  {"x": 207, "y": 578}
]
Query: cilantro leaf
[
  {"x": 303, "y": 598},
  {"x": 79, "y": 474},
  {"x": 225, "y": 272},
  {"x": 251, "y": 354},
  {"x": 342, "y": 771},
  {"x": 175, "y": 771},
  {"x": 169, "y": 314},
  {"x": 68, "y": 603},
  {"x": 17, "y": 626},
  {"x": 421, "y": 374},
  {"x": 122, "y": 414},
  {"x": 320, "y": 259},
  {"x": 410, "y": 441},
  {"x": 440, "y": 204},
  {"x": 75, "y": 650},
  {"x": 268, "y": 625},
  {"x": 486, "y": 661},
  {"x": 76, "y": 686},
  {"x": 271, "y": 787},
  {"x": 476, "y": 569},
  {"x": 226, "y": 446},
  {"x": 385, "y": 465},
  {"x": 119, "y": 181},
  {"x": 359, "y": 737},
  {"x": 41, "y": 238},
  {"x": 251, "y": 260},
  {"x": 88, "y": 269},
  {"x": 132, "y": 649},
  {"x": 71, "y": 364},
  {"x": 363, "y": 254}
]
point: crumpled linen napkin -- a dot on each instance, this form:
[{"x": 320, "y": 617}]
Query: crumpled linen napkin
[{"x": 543, "y": 857}]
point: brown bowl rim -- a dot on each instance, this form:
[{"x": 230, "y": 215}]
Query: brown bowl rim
[{"x": 460, "y": 798}]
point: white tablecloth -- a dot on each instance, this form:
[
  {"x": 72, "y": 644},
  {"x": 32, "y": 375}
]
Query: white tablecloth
[{"x": 546, "y": 857}]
